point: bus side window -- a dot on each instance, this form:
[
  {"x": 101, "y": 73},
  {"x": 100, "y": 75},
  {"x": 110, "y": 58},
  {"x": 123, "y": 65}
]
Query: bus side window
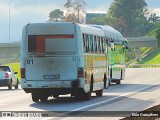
[
  {"x": 95, "y": 44},
  {"x": 91, "y": 44},
  {"x": 103, "y": 44},
  {"x": 102, "y": 48},
  {"x": 112, "y": 44},
  {"x": 98, "y": 46},
  {"x": 100, "y": 41},
  {"x": 84, "y": 43},
  {"x": 87, "y": 41}
]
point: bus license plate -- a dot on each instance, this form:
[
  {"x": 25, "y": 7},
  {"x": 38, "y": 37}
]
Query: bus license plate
[{"x": 51, "y": 77}]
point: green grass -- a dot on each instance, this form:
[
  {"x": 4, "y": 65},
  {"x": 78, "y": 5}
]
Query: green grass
[
  {"x": 16, "y": 68},
  {"x": 153, "y": 58},
  {"x": 145, "y": 50}
]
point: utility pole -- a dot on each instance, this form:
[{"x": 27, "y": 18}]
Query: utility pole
[{"x": 9, "y": 25}]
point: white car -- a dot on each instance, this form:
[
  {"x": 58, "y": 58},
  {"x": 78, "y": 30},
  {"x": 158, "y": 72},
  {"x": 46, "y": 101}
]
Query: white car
[{"x": 8, "y": 77}]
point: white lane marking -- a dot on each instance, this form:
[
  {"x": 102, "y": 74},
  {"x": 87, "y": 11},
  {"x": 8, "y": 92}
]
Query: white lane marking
[
  {"x": 102, "y": 102},
  {"x": 136, "y": 91}
]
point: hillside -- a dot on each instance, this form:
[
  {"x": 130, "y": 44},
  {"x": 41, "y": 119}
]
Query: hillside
[{"x": 152, "y": 58}]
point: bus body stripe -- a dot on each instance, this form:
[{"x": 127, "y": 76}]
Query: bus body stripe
[
  {"x": 55, "y": 36},
  {"x": 60, "y": 36}
]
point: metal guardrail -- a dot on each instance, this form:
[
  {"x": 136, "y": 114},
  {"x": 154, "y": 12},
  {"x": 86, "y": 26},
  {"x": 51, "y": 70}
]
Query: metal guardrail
[
  {"x": 132, "y": 39},
  {"x": 10, "y": 44},
  {"x": 9, "y": 60},
  {"x": 144, "y": 66},
  {"x": 137, "y": 42}
]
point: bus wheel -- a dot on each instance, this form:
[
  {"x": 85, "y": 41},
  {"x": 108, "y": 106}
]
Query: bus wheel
[
  {"x": 87, "y": 96},
  {"x": 55, "y": 95},
  {"x": 110, "y": 79},
  {"x": 44, "y": 98},
  {"x": 99, "y": 92},
  {"x": 121, "y": 75},
  {"x": 105, "y": 82},
  {"x": 118, "y": 82},
  {"x": 79, "y": 96},
  {"x": 35, "y": 97},
  {"x": 109, "y": 82}
]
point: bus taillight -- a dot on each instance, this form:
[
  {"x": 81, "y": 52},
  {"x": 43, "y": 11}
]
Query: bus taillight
[
  {"x": 80, "y": 72},
  {"x": 23, "y": 73}
]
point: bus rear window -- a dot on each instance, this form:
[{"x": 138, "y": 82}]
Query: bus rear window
[
  {"x": 32, "y": 43},
  {"x": 47, "y": 43}
]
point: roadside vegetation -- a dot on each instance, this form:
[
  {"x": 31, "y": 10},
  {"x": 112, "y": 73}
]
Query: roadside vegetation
[{"x": 153, "y": 58}]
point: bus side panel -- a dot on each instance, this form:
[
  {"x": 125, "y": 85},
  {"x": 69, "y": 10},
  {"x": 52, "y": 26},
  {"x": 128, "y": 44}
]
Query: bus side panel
[
  {"x": 80, "y": 56},
  {"x": 96, "y": 67},
  {"x": 22, "y": 53}
]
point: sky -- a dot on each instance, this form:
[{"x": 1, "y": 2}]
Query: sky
[{"x": 35, "y": 11}]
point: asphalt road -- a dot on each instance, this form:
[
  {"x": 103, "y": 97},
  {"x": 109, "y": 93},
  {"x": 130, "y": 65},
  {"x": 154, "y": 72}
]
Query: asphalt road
[{"x": 138, "y": 91}]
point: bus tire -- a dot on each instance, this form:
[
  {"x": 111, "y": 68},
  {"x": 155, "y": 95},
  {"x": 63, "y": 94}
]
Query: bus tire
[
  {"x": 44, "y": 98},
  {"x": 55, "y": 95},
  {"x": 110, "y": 79},
  {"x": 80, "y": 95},
  {"x": 121, "y": 75},
  {"x": 87, "y": 96},
  {"x": 118, "y": 82},
  {"x": 105, "y": 81},
  {"x": 35, "y": 97},
  {"x": 99, "y": 92},
  {"x": 91, "y": 84}
]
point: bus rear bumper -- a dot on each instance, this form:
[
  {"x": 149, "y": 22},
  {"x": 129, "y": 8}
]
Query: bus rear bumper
[{"x": 52, "y": 84}]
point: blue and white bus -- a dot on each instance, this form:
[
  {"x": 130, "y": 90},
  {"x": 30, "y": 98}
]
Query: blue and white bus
[{"x": 65, "y": 58}]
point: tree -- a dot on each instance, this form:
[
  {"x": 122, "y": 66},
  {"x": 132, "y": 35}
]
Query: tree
[
  {"x": 75, "y": 11},
  {"x": 154, "y": 18},
  {"x": 98, "y": 20},
  {"x": 56, "y": 15},
  {"x": 153, "y": 21},
  {"x": 128, "y": 16}
]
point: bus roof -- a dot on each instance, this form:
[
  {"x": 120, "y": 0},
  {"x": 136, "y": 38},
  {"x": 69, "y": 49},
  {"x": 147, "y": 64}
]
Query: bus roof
[
  {"x": 107, "y": 29},
  {"x": 91, "y": 30}
]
